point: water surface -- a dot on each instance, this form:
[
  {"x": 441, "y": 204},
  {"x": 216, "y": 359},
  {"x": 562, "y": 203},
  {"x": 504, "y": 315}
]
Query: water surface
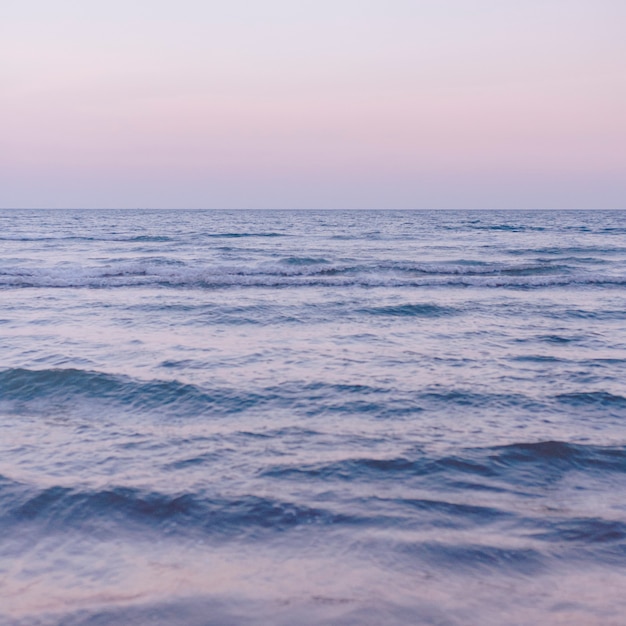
[{"x": 312, "y": 418}]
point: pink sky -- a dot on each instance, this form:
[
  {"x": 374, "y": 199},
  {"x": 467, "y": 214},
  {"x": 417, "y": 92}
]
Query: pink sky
[{"x": 313, "y": 105}]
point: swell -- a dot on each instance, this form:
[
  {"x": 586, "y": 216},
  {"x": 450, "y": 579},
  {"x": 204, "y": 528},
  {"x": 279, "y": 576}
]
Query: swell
[
  {"x": 511, "y": 466},
  {"x": 22, "y": 388},
  {"x": 66, "y": 508},
  {"x": 25, "y": 390},
  {"x": 447, "y": 502},
  {"x": 270, "y": 314},
  {"x": 423, "y": 309}
]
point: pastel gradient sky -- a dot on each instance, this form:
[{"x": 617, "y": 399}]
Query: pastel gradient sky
[{"x": 313, "y": 104}]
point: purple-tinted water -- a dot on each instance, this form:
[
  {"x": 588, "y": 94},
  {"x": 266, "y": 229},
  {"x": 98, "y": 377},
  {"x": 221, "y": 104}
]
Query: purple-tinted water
[{"x": 312, "y": 418}]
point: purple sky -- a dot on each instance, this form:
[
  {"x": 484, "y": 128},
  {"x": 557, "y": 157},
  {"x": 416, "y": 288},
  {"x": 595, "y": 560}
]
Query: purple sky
[{"x": 302, "y": 104}]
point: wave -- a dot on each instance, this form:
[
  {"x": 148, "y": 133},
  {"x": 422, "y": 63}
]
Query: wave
[
  {"x": 503, "y": 465},
  {"x": 592, "y": 530},
  {"x": 83, "y": 391},
  {"x": 234, "y": 235},
  {"x": 573, "y": 251},
  {"x": 110, "y": 238},
  {"x": 411, "y": 310},
  {"x": 448, "y": 486},
  {"x": 303, "y": 273},
  {"x": 82, "y": 508},
  {"x": 22, "y": 389},
  {"x": 593, "y": 398},
  {"x": 477, "y": 557}
]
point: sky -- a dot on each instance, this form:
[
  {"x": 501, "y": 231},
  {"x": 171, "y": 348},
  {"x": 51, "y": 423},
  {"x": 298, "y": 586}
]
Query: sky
[{"x": 398, "y": 104}]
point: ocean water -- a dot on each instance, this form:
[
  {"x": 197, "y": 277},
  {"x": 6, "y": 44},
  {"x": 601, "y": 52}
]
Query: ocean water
[{"x": 341, "y": 417}]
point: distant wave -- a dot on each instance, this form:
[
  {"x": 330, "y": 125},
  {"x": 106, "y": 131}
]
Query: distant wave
[
  {"x": 304, "y": 273},
  {"x": 111, "y": 238},
  {"x": 131, "y": 238},
  {"x": 238, "y": 235}
]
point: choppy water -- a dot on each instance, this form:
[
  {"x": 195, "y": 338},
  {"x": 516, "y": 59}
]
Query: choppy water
[{"x": 312, "y": 418}]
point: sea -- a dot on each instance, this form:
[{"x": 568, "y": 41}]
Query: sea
[{"x": 312, "y": 417}]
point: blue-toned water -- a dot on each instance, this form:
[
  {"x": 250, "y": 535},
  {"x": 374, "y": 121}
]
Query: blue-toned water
[{"x": 312, "y": 418}]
